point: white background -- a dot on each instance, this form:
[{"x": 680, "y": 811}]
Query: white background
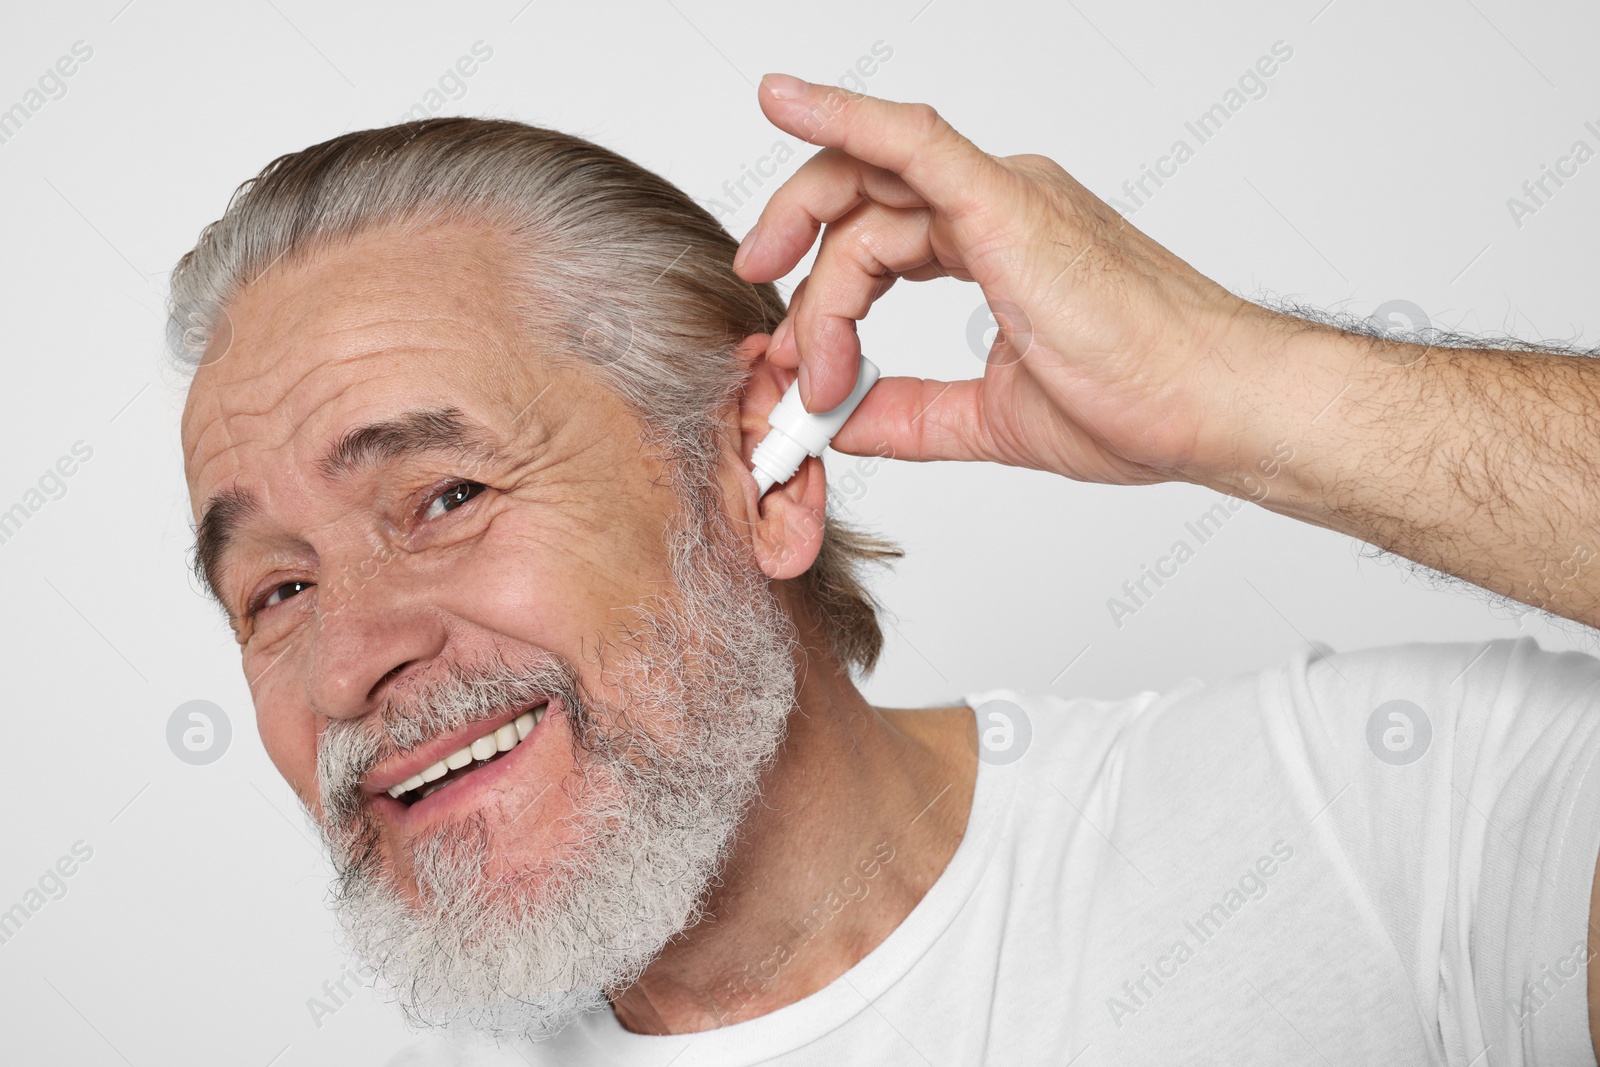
[{"x": 1377, "y": 167}]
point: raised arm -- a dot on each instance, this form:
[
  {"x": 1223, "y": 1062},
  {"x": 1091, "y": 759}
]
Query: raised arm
[
  {"x": 1117, "y": 362},
  {"x": 1482, "y": 463}
]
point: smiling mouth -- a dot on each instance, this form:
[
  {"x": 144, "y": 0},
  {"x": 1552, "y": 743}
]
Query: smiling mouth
[{"x": 462, "y": 762}]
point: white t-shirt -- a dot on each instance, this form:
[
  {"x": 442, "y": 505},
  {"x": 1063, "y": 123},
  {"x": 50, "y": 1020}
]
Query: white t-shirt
[{"x": 1376, "y": 857}]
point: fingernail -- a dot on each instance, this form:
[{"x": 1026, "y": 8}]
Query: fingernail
[
  {"x": 744, "y": 249},
  {"x": 805, "y": 389},
  {"x": 778, "y": 335},
  {"x": 784, "y": 86}
]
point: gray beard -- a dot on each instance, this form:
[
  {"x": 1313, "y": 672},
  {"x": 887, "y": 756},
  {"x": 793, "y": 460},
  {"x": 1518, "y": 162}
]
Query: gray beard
[{"x": 655, "y": 812}]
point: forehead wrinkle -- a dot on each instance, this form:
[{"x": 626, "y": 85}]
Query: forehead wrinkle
[
  {"x": 450, "y": 322},
  {"x": 224, "y": 418},
  {"x": 243, "y": 414},
  {"x": 224, "y": 425},
  {"x": 272, "y": 312},
  {"x": 232, "y": 407}
]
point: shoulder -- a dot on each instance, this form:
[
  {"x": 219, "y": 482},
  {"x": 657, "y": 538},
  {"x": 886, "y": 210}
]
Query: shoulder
[
  {"x": 1478, "y": 690},
  {"x": 1308, "y": 700},
  {"x": 1441, "y": 665},
  {"x": 1054, "y": 732}
]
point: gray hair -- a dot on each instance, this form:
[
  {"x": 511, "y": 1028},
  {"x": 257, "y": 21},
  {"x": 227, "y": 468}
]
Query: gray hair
[{"x": 618, "y": 269}]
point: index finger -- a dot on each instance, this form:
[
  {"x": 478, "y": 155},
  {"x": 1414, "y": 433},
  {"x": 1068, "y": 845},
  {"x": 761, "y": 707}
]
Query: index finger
[
  {"x": 907, "y": 143},
  {"x": 912, "y": 140}
]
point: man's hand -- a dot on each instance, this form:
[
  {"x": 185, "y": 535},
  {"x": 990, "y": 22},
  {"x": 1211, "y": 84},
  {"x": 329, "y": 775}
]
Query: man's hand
[
  {"x": 1118, "y": 362},
  {"x": 1101, "y": 370}
]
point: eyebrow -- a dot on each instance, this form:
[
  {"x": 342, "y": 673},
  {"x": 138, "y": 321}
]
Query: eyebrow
[
  {"x": 439, "y": 430},
  {"x": 219, "y": 522},
  {"x": 435, "y": 430}
]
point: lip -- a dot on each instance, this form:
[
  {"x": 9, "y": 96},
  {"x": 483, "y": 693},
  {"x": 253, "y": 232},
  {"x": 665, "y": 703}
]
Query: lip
[
  {"x": 468, "y": 793},
  {"x": 391, "y": 773}
]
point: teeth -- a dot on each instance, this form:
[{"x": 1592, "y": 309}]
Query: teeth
[
  {"x": 502, "y": 739},
  {"x": 407, "y": 786},
  {"x": 528, "y": 720}
]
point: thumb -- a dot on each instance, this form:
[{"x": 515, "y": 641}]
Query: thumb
[{"x": 917, "y": 419}]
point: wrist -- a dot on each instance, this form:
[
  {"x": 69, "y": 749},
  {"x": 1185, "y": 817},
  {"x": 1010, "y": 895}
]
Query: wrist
[{"x": 1282, "y": 430}]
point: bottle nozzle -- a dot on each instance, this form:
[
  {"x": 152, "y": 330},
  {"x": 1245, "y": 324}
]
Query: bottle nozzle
[{"x": 796, "y": 433}]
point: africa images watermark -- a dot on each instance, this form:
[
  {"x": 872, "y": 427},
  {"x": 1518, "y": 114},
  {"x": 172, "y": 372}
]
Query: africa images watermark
[
  {"x": 1534, "y": 995},
  {"x": 852, "y": 888},
  {"x": 736, "y": 193},
  {"x": 51, "y": 485},
  {"x": 1556, "y": 578},
  {"x": 199, "y": 732},
  {"x": 50, "y": 886},
  {"x": 1537, "y": 192},
  {"x": 1004, "y": 732},
  {"x": 1399, "y": 732},
  {"x": 50, "y": 86},
  {"x": 361, "y": 975},
  {"x": 1136, "y": 993},
  {"x": 1136, "y": 592},
  {"x": 452, "y": 84},
  {"x": 1251, "y": 85}
]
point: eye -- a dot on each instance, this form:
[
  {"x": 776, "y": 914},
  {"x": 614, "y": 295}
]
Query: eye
[
  {"x": 278, "y": 595},
  {"x": 452, "y": 498}
]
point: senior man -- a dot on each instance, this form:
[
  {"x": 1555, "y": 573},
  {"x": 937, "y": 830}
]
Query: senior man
[{"x": 468, "y": 444}]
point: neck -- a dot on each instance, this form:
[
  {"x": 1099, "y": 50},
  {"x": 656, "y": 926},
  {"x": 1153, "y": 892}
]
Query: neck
[{"x": 859, "y": 814}]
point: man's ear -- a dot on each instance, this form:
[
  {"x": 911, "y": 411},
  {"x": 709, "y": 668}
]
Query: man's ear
[{"x": 786, "y": 524}]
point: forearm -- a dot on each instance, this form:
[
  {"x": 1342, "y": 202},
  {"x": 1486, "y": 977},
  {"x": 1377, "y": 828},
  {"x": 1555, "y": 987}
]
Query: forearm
[{"x": 1480, "y": 463}]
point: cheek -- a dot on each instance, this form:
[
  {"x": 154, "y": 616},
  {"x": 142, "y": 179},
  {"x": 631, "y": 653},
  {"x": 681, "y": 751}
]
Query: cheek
[
  {"x": 289, "y": 734},
  {"x": 287, "y": 727},
  {"x": 560, "y": 587}
]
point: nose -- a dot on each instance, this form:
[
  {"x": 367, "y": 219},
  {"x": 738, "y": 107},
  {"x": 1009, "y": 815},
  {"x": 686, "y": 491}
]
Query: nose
[{"x": 370, "y": 631}]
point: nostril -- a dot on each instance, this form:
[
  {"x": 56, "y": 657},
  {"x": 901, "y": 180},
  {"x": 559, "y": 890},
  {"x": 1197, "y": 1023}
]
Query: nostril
[{"x": 392, "y": 673}]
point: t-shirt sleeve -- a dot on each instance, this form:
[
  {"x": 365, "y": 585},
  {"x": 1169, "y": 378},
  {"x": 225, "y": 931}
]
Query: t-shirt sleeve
[{"x": 1464, "y": 789}]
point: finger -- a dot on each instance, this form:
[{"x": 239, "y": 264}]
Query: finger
[
  {"x": 912, "y": 140},
  {"x": 826, "y": 186},
  {"x": 920, "y": 420},
  {"x": 780, "y": 349},
  {"x": 860, "y": 257}
]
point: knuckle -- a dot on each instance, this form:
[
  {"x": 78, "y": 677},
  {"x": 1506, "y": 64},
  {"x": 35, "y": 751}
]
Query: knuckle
[
  {"x": 1033, "y": 163},
  {"x": 925, "y": 120},
  {"x": 1041, "y": 171}
]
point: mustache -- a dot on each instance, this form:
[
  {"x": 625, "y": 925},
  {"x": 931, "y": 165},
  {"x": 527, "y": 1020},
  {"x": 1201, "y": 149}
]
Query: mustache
[{"x": 453, "y": 696}]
